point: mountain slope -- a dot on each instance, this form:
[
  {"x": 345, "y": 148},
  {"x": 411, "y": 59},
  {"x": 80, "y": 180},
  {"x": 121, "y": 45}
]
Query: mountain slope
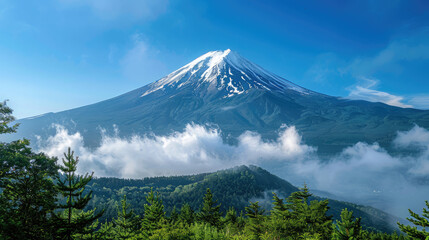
[
  {"x": 224, "y": 89},
  {"x": 233, "y": 187}
]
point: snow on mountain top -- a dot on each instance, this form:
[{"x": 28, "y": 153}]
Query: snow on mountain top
[{"x": 225, "y": 70}]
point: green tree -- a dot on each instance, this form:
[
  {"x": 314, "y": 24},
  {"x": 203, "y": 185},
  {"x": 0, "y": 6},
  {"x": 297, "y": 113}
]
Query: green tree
[
  {"x": 347, "y": 228},
  {"x": 6, "y": 118},
  {"x": 209, "y": 212},
  {"x": 256, "y": 218},
  {"x": 27, "y": 193},
  {"x": 421, "y": 221},
  {"x": 105, "y": 232},
  {"x": 153, "y": 212},
  {"x": 174, "y": 215},
  {"x": 74, "y": 220},
  {"x": 231, "y": 216},
  {"x": 281, "y": 223},
  {"x": 127, "y": 223},
  {"x": 299, "y": 216},
  {"x": 187, "y": 215}
]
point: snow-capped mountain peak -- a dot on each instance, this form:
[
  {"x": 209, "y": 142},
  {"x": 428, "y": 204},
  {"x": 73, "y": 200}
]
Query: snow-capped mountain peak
[{"x": 224, "y": 71}]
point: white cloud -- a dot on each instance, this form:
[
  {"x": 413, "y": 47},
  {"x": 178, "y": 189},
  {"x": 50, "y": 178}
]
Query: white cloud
[
  {"x": 364, "y": 173},
  {"x": 368, "y": 174},
  {"x": 119, "y": 9},
  {"x": 196, "y": 149},
  {"x": 416, "y": 139},
  {"x": 417, "y": 136},
  {"x": 368, "y": 94}
]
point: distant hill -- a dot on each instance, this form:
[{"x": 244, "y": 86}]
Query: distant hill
[{"x": 233, "y": 187}]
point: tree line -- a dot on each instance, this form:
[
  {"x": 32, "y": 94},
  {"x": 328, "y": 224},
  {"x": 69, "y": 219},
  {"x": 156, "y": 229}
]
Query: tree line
[{"x": 41, "y": 199}]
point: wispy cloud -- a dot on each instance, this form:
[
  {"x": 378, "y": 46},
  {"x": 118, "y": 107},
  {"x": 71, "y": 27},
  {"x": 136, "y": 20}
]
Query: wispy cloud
[
  {"x": 367, "y": 93},
  {"x": 391, "y": 61},
  {"x": 420, "y": 101},
  {"x": 118, "y": 9},
  {"x": 140, "y": 61},
  {"x": 414, "y": 47},
  {"x": 325, "y": 66}
]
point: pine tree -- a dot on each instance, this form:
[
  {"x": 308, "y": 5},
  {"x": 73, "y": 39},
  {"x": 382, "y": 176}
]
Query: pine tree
[
  {"x": 153, "y": 212},
  {"x": 6, "y": 117},
  {"x": 105, "y": 232},
  {"x": 255, "y": 214},
  {"x": 347, "y": 228},
  {"x": 174, "y": 215},
  {"x": 231, "y": 216},
  {"x": 127, "y": 223},
  {"x": 73, "y": 220},
  {"x": 280, "y": 217},
  {"x": 187, "y": 215},
  {"x": 209, "y": 212},
  {"x": 299, "y": 216},
  {"x": 421, "y": 221},
  {"x": 27, "y": 192},
  {"x": 279, "y": 206}
]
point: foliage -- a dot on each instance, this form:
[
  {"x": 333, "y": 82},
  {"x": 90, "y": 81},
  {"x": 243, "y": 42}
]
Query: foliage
[
  {"x": 27, "y": 192},
  {"x": 127, "y": 223},
  {"x": 231, "y": 188},
  {"x": 347, "y": 228},
  {"x": 187, "y": 215},
  {"x": 32, "y": 195},
  {"x": 6, "y": 118},
  {"x": 28, "y": 196},
  {"x": 74, "y": 220},
  {"x": 256, "y": 218},
  {"x": 209, "y": 210},
  {"x": 421, "y": 221},
  {"x": 154, "y": 212}
]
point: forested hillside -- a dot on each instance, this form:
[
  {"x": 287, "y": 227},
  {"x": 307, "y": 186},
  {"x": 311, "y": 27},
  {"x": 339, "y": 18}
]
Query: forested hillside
[
  {"x": 233, "y": 187},
  {"x": 43, "y": 198}
]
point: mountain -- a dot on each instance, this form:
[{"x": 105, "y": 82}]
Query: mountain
[
  {"x": 225, "y": 89},
  {"x": 233, "y": 187}
]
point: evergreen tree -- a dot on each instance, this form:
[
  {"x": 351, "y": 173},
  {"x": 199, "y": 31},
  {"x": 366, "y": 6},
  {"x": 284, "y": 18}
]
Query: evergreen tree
[
  {"x": 154, "y": 212},
  {"x": 174, "y": 215},
  {"x": 255, "y": 214},
  {"x": 27, "y": 193},
  {"x": 421, "y": 221},
  {"x": 73, "y": 220},
  {"x": 231, "y": 216},
  {"x": 209, "y": 212},
  {"x": 105, "y": 232},
  {"x": 187, "y": 215},
  {"x": 279, "y": 206},
  {"x": 281, "y": 218},
  {"x": 347, "y": 228},
  {"x": 299, "y": 216},
  {"x": 6, "y": 118},
  {"x": 127, "y": 224}
]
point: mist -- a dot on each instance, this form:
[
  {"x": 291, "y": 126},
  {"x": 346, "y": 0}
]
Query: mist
[{"x": 363, "y": 173}]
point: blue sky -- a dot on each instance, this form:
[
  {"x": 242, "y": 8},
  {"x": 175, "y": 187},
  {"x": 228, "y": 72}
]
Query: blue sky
[{"x": 62, "y": 54}]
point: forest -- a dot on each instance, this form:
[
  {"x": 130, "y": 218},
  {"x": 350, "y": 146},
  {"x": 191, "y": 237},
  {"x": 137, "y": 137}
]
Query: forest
[{"x": 43, "y": 198}]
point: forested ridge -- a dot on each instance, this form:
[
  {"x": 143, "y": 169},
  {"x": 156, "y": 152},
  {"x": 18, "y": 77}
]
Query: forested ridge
[
  {"x": 43, "y": 198},
  {"x": 233, "y": 187}
]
